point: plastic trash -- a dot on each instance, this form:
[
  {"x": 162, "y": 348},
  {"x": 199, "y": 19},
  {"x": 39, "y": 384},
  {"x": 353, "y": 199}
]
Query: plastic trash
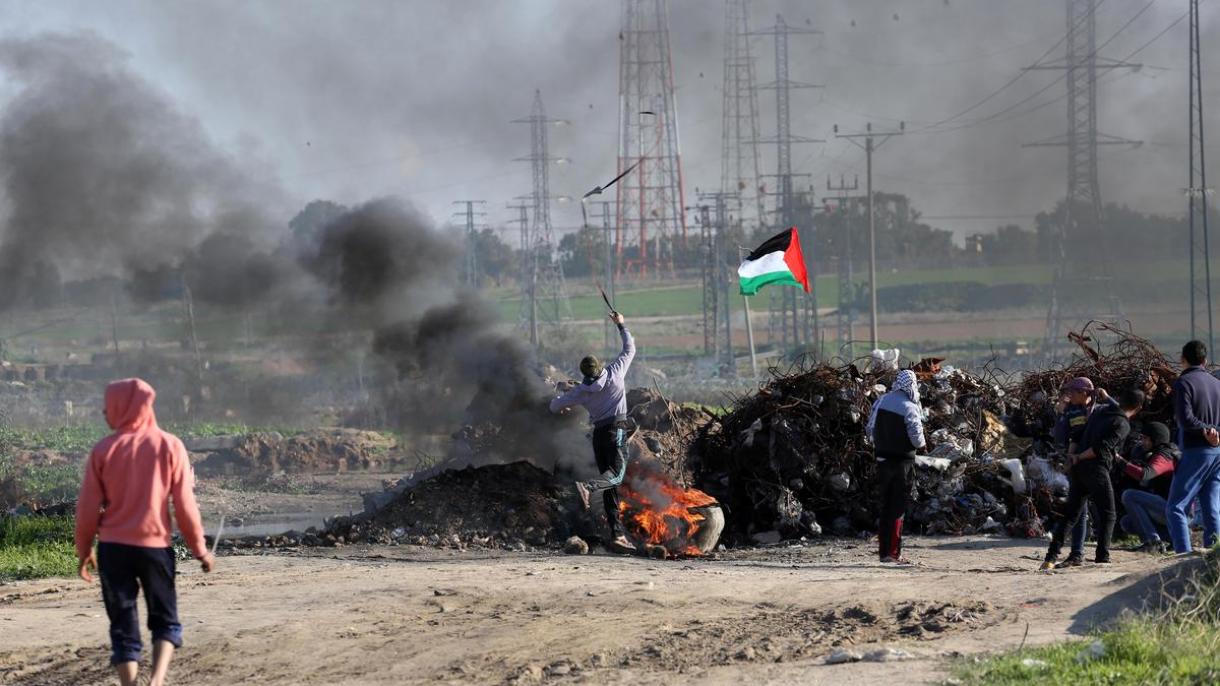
[
  {"x": 1016, "y": 473},
  {"x": 886, "y": 360}
]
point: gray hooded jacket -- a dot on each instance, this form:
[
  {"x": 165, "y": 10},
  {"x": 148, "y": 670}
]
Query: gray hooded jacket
[{"x": 606, "y": 396}]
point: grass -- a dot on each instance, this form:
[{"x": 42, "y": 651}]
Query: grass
[
  {"x": 33, "y": 547},
  {"x": 686, "y": 298},
  {"x": 1177, "y": 645}
]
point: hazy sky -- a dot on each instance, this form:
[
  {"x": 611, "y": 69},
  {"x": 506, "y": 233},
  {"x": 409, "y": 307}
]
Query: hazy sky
[{"x": 352, "y": 100}]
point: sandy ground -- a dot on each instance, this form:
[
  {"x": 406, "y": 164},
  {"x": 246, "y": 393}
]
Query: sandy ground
[{"x": 395, "y": 615}]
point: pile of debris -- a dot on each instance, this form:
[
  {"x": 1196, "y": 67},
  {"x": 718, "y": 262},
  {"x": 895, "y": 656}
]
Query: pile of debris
[
  {"x": 794, "y": 455},
  {"x": 512, "y": 506},
  {"x": 1127, "y": 362},
  {"x": 260, "y": 455}
]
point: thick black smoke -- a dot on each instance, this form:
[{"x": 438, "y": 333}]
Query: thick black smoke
[{"x": 104, "y": 177}]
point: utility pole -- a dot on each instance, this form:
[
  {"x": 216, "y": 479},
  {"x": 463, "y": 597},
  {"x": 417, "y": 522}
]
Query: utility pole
[
  {"x": 610, "y": 267},
  {"x": 1082, "y": 271},
  {"x": 546, "y": 294},
  {"x": 739, "y": 169},
  {"x": 717, "y": 329},
  {"x": 847, "y": 282},
  {"x": 872, "y": 141},
  {"x": 470, "y": 268},
  {"x": 1197, "y": 193},
  {"x": 786, "y": 300},
  {"x": 648, "y": 200}
]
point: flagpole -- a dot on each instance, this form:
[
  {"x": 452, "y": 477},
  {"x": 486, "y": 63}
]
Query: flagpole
[{"x": 749, "y": 327}]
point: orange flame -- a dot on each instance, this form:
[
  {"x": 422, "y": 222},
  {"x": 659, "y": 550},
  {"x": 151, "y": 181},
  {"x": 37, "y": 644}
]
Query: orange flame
[{"x": 657, "y": 511}]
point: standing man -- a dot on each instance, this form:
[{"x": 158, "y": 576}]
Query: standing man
[
  {"x": 1196, "y": 408},
  {"x": 1075, "y": 404},
  {"x": 130, "y": 478},
  {"x": 1089, "y": 475},
  {"x": 603, "y": 392},
  {"x": 896, "y": 428}
]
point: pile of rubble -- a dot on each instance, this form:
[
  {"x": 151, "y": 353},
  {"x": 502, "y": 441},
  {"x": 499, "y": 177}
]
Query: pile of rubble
[
  {"x": 513, "y": 506},
  {"x": 260, "y": 455},
  {"x": 793, "y": 457}
]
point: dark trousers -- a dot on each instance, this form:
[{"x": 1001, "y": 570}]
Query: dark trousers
[
  {"x": 894, "y": 485},
  {"x": 1088, "y": 480},
  {"x": 610, "y": 451},
  {"x": 125, "y": 569}
]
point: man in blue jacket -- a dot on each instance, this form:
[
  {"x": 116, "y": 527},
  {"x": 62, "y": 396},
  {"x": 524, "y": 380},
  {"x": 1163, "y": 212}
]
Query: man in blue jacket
[
  {"x": 896, "y": 428},
  {"x": 603, "y": 392},
  {"x": 1196, "y": 408}
]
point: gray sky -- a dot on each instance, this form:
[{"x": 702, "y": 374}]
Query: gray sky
[{"x": 352, "y": 100}]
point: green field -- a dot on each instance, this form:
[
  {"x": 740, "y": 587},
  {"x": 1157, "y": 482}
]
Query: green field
[
  {"x": 687, "y": 299},
  {"x": 33, "y": 547}
]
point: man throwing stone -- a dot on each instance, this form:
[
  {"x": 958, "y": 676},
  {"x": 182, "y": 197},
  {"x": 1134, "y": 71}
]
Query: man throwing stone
[{"x": 603, "y": 392}]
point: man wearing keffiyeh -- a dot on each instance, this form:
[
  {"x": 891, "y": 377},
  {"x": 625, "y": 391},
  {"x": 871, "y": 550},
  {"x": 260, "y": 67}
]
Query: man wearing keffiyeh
[{"x": 896, "y": 428}]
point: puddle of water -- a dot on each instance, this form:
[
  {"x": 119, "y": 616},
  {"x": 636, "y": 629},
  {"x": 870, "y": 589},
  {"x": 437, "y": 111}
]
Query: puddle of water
[{"x": 268, "y": 525}]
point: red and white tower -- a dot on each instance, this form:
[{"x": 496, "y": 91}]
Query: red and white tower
[{"x": 649, "y": 199}]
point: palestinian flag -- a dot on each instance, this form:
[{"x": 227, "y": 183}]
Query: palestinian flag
[{"x": 778, "y": 261}]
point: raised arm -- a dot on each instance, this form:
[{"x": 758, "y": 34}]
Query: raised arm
[{"x": 618, "y": 368}]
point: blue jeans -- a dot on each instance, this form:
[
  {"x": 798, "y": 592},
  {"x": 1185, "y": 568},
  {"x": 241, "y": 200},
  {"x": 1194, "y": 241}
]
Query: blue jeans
[
  {"x": 1197, "y": 474},
  {"x": 1145, "y": 515},
  {"x": 125, "y": 571}
]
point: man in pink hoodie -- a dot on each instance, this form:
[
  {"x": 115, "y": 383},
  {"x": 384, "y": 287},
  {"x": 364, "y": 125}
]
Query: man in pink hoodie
[{"x": 124, "y": 501}]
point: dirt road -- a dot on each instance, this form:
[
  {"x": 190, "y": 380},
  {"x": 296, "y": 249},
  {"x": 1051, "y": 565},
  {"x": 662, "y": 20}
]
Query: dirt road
[{"x": 395, "y": 615}]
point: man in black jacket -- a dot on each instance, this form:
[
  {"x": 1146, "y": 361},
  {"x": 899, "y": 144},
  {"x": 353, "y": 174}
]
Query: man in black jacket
[
  {"x": 1089, "y": 476},
  {"x": 896, "y": 428}
]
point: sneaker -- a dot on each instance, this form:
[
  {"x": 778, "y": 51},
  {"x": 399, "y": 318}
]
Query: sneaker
[
  {"x": 1070, "y": 561},
  {"x": 1104, "y": 561},
  {"x": 583, "y": 491},
  {"x": 1047, "y": 565},
  {"x": 622, "y": 545},
  {"x": 1156, "y": 547}
]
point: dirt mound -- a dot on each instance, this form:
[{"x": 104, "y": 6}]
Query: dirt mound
[
  {"x": 330, "y": 450},
  {"x": 508, "y": 505}
]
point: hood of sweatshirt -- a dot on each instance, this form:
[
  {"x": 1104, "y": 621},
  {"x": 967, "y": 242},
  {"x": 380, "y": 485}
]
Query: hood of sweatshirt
[
  {"x": 594, "y": 384},
  {"x": 129, "y": 405}
]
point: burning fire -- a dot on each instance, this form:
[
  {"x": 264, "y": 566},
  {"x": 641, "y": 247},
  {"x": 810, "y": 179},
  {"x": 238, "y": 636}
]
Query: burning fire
[{"x": 657, "y": 512}]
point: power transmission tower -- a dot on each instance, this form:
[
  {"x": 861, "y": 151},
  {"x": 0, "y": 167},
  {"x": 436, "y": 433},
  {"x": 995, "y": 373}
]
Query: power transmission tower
[
  {"x": 795, "y": 315},
  {"x": 544, "y": 299},
  {"x": 847, "y": 282},
  {"x": 1197, "y": 193},
  {"x": 1083, "y": 271},
  {"x": 872, "y": 141},
  {"x": 470, "y": 267},
  {"x": 739, "y": 171},
  {"x": 649, "y": 199}
]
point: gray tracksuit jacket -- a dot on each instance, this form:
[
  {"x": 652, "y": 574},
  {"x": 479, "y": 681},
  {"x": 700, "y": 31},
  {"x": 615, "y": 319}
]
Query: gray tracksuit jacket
[{"x": 605, "y": 397}]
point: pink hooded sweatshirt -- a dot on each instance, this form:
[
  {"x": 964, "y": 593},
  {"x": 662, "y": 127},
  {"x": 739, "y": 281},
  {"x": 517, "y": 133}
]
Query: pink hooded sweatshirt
[{"x": 131, "y": 476}]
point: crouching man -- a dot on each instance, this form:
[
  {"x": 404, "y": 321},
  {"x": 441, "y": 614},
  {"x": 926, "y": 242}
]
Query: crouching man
[
  {"x": 130, "y": 478},
  {"x": 896, "y": 428}
]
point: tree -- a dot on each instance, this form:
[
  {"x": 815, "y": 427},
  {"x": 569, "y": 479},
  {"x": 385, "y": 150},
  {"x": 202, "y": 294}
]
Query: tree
[{"x": 494, "y": 257}]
